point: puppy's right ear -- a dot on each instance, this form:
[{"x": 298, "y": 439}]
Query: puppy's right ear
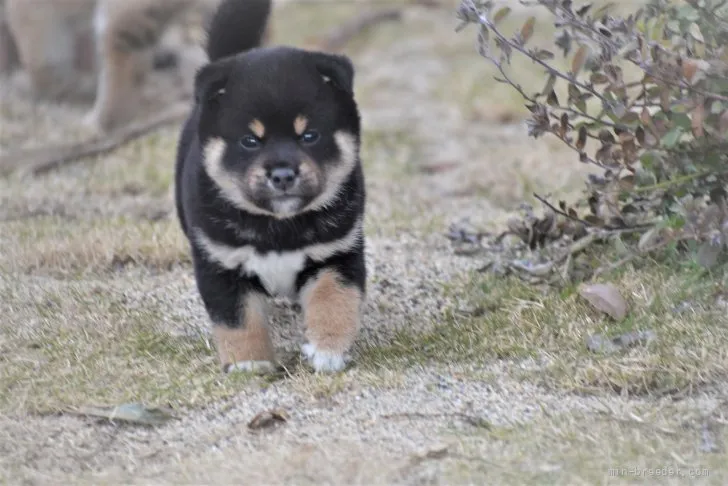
[
  {"x": 210, "y": 83},
  {"x": 211, "y": 80}
]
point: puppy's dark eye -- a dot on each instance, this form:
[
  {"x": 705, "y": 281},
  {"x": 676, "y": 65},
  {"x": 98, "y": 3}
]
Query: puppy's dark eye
[
  {"x": 310, "y": 136},
  {"x": 250, "y": 142}
]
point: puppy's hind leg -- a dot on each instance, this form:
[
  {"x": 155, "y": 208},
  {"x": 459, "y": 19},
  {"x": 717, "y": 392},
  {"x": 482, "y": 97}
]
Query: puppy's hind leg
[{"x": 126, "y": 32}]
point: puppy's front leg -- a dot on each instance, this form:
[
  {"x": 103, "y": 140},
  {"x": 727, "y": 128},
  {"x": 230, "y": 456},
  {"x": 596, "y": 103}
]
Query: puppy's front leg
[
  {"x": 239, "y": 315},
  {"x": 331, "y": 306}
]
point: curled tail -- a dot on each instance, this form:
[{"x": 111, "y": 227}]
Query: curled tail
[{"x": 236, "y": 26}]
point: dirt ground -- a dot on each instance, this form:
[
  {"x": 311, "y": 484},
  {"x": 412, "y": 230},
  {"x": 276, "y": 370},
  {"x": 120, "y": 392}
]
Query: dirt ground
[{"x": 99, "y": 307}]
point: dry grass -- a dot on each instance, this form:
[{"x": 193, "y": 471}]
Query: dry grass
[
  {"x": 89, "y": 344},
  {"x": 52, "y": 246},
  {"x": 649, "y": 445}
]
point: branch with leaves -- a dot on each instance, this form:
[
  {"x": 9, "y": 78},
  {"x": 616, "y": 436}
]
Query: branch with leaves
[{"x": 646, "y": 102}]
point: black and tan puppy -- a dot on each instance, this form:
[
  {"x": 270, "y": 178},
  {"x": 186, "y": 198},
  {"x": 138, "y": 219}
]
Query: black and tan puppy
[{"x": 270, "y": 191}]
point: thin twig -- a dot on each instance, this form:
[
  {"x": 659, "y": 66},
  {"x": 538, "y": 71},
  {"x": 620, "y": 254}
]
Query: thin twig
[
  {"x": 571, "y": 79},
  {"x": 44, "y": 159},
  {"x": 470, "y": 419},
  {"x": 530, "y": 99},
  {"x": 559, "y": 211},
  {"x": 342, "y": 35},
  {"x": 518, "y": 88}
]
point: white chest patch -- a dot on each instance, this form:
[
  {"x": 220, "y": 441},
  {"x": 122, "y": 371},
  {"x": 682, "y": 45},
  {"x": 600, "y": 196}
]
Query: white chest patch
[{"x": 276, "y": 271}]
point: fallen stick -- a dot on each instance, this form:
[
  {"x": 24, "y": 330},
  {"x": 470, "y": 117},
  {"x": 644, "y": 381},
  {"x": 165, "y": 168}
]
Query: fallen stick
[
  {"x": 337, "y": 38},
  {"x": 342, "y": 35},
  {"x": 44, "y": 159}
]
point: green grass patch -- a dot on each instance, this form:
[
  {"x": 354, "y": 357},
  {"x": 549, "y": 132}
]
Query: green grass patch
[
  {"x": 83, "y": 345},
  {"x": 495, "y": 318}
]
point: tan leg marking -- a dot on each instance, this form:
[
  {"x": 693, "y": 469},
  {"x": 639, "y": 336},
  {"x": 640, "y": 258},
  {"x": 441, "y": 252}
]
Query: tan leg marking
[
  {"x": 257, "y": 127},
  {"x": 248, "y": 347},
  {"x": 310, "y": 173},
  {"x": 331, "y": 315},
  {"x": 300, "y": 124}
]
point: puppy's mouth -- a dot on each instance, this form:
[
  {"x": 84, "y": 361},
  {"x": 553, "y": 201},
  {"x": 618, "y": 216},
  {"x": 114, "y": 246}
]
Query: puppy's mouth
[{"x": 286, "y": 203}]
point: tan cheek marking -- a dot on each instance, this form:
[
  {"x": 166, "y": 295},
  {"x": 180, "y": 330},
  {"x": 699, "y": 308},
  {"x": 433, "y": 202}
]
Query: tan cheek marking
[
  {"x": 331, "y": 313},
  {"x": 251, "y": 341},
  {"x": 257, "y": 127},
  {"x": 300, "y": 124},
  {"x": 337, "y": 172},
  {"x": 256, "y": 175},
  {"x": 310, "y": 173}
]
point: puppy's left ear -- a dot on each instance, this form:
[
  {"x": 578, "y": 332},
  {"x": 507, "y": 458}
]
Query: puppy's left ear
[{"x": 336, "y": 69}]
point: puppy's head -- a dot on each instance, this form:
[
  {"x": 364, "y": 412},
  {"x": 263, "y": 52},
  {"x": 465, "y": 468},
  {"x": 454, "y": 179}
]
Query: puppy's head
[{"x": 279, "y": 128}]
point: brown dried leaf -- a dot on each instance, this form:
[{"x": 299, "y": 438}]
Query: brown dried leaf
[
  {"x": 605, "y": 298},
  {"x": 564, "y": 126},
  {"x": 665, "y": 97},
  {"x": 527, "y": 29},
  {"x": 598, "y": 78},
  {"x": 605, "y": 136},
  {"x": 268, "y": 418},
  {"x": 645, "y": 117},
  {"x": 581, "y": 141},
  {"x": 577, "y": 63},
  {"x": 698, "y": 118},
  {"x": 689, "y": 68},
  {"x": 543, "y": 55},
  {"x": 626, "y": 180}
]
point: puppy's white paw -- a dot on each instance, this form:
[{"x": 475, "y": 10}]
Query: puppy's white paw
[
  {"x": 257, "y": 367},
  {"x": 323, "y": 361}
]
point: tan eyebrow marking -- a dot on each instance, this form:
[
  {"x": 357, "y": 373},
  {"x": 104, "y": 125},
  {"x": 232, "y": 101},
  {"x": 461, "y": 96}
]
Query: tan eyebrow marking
[
  {"x": 300, "y": 124},
  {"x": 257, "y": 127}
]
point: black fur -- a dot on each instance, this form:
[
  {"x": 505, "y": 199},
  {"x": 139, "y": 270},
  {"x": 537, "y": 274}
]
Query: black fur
[{"x": 241, "y": 83}]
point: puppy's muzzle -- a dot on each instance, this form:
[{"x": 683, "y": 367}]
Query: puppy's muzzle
[{"x": 283, "y": 176}]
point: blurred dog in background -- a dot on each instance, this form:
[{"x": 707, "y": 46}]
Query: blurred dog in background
[{"x": 76, "y": 50}]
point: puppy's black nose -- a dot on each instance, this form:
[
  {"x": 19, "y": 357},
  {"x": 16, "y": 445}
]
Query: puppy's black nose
[{"x": 283, "y": 178}]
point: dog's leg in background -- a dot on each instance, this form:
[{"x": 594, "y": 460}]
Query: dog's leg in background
[
  {"x": 126, "y": 33},
  {"x": 9, "y": 60},
  {"x": 47, "y": 34},
  {"x": 239, "y": 315},
  {"x": 331, "y": 308}
]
